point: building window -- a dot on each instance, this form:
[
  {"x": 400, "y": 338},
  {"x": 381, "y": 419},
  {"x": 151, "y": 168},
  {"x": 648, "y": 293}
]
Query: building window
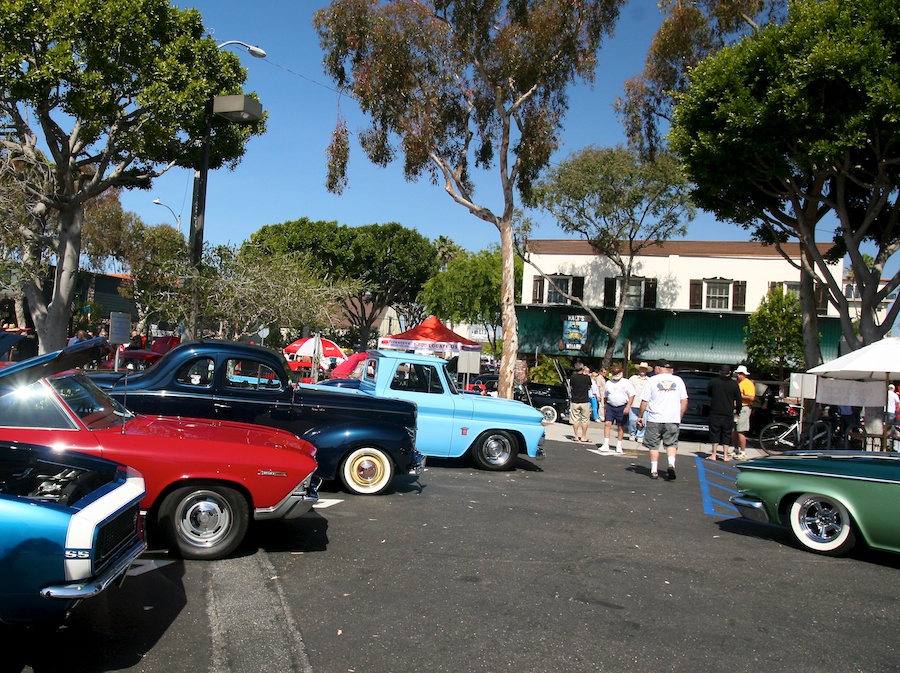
[
  {"x": 718, "y": 294},
  {"x": 556, "y": 286},
  {"x": 555, "y": 289},
  {"x": 640, "y": 292}
]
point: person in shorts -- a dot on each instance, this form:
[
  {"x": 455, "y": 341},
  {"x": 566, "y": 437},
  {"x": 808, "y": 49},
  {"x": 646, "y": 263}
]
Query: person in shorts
[
  {"x": 742, "y": 420},
  {"x": 619, "y": 396},
  {"x": 663, "y": 403},
  {"x": 580, "y": 384}
]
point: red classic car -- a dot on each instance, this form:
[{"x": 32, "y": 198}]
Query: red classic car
[{"x": 204, "y": 479}]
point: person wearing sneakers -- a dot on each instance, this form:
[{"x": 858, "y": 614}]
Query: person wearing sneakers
[
  {"x": 580, "y": 414},
  {"x": 742, "y": 420},
  {"x": 619, "y": 396},
  {"x": 663, "y": 403}
]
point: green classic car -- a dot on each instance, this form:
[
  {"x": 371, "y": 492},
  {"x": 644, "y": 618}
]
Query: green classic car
[{"x": 829, "y": 500}]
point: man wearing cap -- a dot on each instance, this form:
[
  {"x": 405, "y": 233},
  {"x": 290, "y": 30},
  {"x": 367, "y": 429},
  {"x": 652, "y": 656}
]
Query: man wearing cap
[
  {"x": 638, "y": 381},
  {"x": 580, "y": 386},
  {"x": 742, "y": 420},
  {"x": 724, "y": 405},
  {"x": 663, "y": 403}
]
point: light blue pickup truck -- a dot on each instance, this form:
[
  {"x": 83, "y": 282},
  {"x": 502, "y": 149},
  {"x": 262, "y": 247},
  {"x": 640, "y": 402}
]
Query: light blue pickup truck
[{"x": 451, "y": 423}]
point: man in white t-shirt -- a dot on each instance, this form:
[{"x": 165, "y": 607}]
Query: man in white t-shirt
[
  {"x": 618, "y": 396},
  {"x": 664, "y": 401}
]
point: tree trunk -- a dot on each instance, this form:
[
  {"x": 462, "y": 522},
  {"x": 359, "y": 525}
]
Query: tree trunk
[
  {"x": 508, "y": 312},
  {"x": 51, "y": 321},
  {"x": 812, "y": 348}
]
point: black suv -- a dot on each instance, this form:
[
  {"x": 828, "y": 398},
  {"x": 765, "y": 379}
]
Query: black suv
[{"x": 696, "y": 418}]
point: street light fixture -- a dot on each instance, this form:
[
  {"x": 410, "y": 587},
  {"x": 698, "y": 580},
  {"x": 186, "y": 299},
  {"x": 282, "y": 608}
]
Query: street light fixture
[
  {"x": 237, "y": 108},
  {"x": 177, "y": 217}
]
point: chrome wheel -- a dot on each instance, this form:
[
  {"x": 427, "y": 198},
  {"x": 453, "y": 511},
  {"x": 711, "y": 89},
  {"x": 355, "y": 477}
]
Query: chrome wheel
[
  {"x": 822, "y": 524},
  {"x": 367, "y": 471},
  {"x": 550, "y": 414},
  {"x": 495, "y": 450},
  {"x": 204, "y": 522}
]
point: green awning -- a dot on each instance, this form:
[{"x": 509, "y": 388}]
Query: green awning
[{"x": 685, "y": 337}]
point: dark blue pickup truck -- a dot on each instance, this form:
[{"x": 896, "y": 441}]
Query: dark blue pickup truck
[{"x": 363, "y": 441}]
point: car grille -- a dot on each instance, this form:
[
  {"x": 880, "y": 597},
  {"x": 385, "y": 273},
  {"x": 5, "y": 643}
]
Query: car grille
[{"x": 115, "y": 534}]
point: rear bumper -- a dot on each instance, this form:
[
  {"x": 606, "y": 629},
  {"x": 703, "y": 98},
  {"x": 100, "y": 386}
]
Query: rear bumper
[
  {"x": 751, "y": 508},
  {"x": 91, "y": 587}
]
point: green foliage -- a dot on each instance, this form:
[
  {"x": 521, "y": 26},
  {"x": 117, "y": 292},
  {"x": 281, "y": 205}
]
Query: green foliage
[
  {"x": 619, "y": 203},
  {"x": 469, "y": 290},
  {"x": 116, "y": 92},
  {"x": 689, "y": 33},
  {"x": 774, "y": 340},
  {"x": 388, "y": 263},
  {"x": 544, "y": 371},
  {"x": 799, "y": 120},
  {"x": 434, "y": 72}
]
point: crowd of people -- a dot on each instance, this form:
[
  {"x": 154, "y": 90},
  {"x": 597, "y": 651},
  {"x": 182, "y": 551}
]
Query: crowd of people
[{"x": 648, "y": 409}]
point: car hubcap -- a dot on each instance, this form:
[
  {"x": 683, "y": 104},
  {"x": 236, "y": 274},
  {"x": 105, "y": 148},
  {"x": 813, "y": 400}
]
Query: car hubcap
[
  {"x": 496, "y": 450},
  {"x": 367, "y": 471},
  {"x": 204, "y": 521}
]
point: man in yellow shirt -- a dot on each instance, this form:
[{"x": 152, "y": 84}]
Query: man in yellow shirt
[{"x": 742, "y": 421}]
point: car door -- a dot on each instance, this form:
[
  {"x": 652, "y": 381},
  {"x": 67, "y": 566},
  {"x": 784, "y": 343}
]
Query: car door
[
  {"x": 248, "y": 390},
  {"x": 442, "y": 415}
]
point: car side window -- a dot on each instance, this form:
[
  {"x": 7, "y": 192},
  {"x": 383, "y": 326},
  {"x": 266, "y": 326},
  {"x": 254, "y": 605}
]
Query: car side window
[
  {"x": 417, "y": 378},
  {"x": 33, "y": 407},
  {"x": 197, "y": 373},
  {"x": 250, "y": 375}
]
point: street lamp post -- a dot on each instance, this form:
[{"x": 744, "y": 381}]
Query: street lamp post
[
  {"x": 177, "y": 217},
  {"x": 234, "y": 108}
]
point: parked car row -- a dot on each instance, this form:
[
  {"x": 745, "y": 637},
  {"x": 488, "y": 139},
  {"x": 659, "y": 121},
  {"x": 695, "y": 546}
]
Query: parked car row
[{"x": 226, "y": 438}]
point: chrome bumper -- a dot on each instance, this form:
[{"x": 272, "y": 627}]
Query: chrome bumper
[
  {"x": 92, "y": 587},
  {"x": 295, "y": 505},
  {"x": 750, "y": 508}
]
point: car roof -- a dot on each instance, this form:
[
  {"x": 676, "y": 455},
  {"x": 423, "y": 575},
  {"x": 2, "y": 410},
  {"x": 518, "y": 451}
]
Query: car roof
[
  {"x": 408, "y": 357},
  {"x": 41, "y": 366}
]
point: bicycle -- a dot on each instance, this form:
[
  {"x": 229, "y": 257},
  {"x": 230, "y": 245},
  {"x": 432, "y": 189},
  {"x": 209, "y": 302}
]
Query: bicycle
[{"x": 780, "y": 436}]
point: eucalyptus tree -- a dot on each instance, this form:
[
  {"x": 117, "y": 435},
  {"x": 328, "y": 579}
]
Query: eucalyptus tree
[{"x": 454, "y": 86}]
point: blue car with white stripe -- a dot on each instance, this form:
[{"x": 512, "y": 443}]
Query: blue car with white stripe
[{"x": 69, "y": 527}]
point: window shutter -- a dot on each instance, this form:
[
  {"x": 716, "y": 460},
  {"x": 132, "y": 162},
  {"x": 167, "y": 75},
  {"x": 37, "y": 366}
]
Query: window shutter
[
  {"x": 739, "y": 295},
  {"x": 577, "y": 287},
  {"x": 537, "y": 290},
  {"x": 696, "y": 294},
  {"x": 650, "y": 293},
  {"x": 772, "y": 285},
  {"x": 609, "y": 292}
]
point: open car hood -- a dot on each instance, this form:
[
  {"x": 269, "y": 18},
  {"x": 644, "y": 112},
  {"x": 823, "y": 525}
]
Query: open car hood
[{"x": 33, "y": 369}]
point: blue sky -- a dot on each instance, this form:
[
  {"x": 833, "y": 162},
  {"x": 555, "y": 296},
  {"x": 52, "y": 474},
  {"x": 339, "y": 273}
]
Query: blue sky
[{"x": 282, "y": 175}]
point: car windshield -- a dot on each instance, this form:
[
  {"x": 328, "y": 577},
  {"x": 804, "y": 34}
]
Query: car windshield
[{"x": 95, "y": 408}]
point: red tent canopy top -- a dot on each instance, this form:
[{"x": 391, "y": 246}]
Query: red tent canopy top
[{"x": 430, "y": 335}]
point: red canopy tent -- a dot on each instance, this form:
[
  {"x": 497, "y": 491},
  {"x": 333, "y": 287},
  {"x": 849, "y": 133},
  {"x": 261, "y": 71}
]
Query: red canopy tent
[{"x": 430, "y": 335}]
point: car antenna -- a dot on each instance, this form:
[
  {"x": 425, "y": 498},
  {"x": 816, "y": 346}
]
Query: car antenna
[{"x": 124, "y": 400}]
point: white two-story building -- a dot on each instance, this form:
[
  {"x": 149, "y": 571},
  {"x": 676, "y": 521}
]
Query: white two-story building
[{"x": 687, "y": 301}]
